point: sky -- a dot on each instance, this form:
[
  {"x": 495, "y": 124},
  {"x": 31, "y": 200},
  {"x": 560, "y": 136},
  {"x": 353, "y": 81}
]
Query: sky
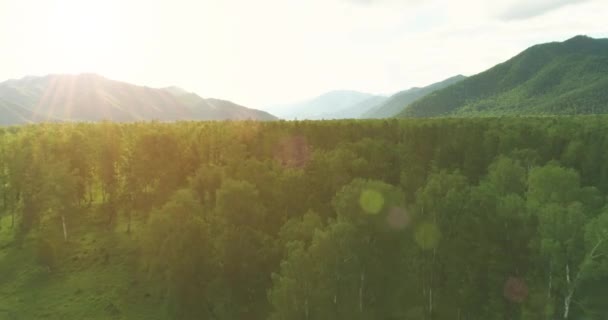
[{"x": 267, "y": 52}]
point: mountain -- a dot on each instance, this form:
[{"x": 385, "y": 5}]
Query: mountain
[
  {"x": 569, "y": 77},
  {"x": 90, "y": 97},
  {"x": 340, "y": 104},
  {"x": 397, "y": 102},
  {"x": 13, "y": 114},
  {"x": 356, "y": 110}
]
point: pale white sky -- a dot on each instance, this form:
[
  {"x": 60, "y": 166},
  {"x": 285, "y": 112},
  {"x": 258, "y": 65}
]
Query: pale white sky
[{"x": 265, "y": 52}]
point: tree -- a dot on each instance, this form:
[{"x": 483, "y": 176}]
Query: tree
[
  {"x": 440, "y": 206},
  {"x": 245, "y": 249},
  {"x": 339, "y": 275},
  {"x": 179, "y": 253},
  {"x": 60, "y": 193},
  {"x": 552, "y": 194}
]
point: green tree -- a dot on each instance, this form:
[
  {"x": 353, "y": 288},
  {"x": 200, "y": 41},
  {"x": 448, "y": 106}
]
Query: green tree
[
  {"x": 179, "y": 253},
  {"x": 553, "y": 193}
]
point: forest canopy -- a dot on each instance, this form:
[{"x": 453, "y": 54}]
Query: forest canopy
[{"x": 494, "y": 218}]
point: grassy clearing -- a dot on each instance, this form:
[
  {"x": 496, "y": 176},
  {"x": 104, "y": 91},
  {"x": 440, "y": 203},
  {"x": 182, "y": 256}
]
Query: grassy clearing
[{"x": 92, "y": 279}]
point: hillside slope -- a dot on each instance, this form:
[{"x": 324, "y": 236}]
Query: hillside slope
[
  {"x": 90, "y": 97},
  {"x": 400, "y": 100},
  {"x": 569, "y": 77},
  {"x": 12, "y": 114}
]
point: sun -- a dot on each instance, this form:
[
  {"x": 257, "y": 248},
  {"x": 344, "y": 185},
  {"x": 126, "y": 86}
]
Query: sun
[{"x": 82, "y": 35}]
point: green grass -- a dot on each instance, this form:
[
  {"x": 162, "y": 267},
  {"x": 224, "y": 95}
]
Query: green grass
[{"x": 83, "y": 285}]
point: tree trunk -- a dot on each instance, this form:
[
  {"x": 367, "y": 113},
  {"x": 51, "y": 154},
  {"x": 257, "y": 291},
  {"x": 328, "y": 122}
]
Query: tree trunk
[
  {"x": 361, "y": 292},
  {"x": 432, "y": 280},
  {"x": 568, "y": 297},
  {"x": 572, "y": 284},
  {"x": 129, "y": 221},
  {"x": 567, "y": 302},
  {"x": 430, "y": 303},
  {"x": 90, "y": 195},
  {"x": 17, "y": 198},
  {"x": 111, "y": 216},
  {"x": 550, "y": 281},
  {"x": 65, "y": 229}
]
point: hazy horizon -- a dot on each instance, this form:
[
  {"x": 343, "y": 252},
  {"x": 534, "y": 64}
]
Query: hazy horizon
[{"x": 278, "y": 52}]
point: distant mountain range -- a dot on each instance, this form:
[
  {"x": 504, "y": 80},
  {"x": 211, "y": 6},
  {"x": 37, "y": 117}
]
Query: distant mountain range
[
  {"x": 340, "y": 104},
  {"x": 569, "y": 77},
  {"x": 357, "y": 110},
  {"x": 346, "y": 104},
  {"x": 90, "y": 97},
  {"x": 400, "y": 100}
]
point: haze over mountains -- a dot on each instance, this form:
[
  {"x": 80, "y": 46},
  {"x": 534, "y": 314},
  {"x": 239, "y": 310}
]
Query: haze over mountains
[
  {"x": 569, "y": 77},
  {"x": 90, "y": 97},
  {"x": 339, "y": 104},
  {"x": 346, "y": 104}
]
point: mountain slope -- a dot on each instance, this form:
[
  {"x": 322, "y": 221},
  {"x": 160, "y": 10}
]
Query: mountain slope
[
  {"x": 12, "y": 114},
  {"x": 89, "y": 97},
  {"x": 330, "y": 105},
  {"x": 357, "y": 110},
  {"x": 569, "y": 77},
  {"x": 397, "y": 102}
]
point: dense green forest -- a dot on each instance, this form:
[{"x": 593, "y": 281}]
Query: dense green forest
[
  {"x": 495, "y": 218},
  {"x": 558, "y": 78}
]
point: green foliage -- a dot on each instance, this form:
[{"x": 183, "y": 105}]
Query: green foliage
[
  {"x": 428, "y": 219},
  {"x": 553, "y": 183},
  {"x": 508, "y": 176}
]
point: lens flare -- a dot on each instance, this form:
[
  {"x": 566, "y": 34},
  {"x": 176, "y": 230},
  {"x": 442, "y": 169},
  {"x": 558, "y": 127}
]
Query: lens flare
[
  {"x": 371, "y": 201},
  {"x": 427, "y": 236},
  {"x": 397, "y": 218},
  {"x": 293, "y": 151},
  {"x": 515, "y": 290}
]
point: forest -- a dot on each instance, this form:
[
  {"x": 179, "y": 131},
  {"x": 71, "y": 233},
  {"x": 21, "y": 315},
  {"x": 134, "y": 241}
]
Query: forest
[{"x": 416, "y": 219}]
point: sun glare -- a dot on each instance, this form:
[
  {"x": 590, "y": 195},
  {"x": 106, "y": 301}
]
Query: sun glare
[{"x": 83, "y": 33}]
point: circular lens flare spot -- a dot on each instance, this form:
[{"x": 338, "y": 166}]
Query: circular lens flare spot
[
  {"x": 293, "y": 151},
  {"x": 515, "y": 290},
  {"x": 397, "y": 218},
  {"x": 427, "y": 236},
  {"x": 371, "y": 201}
]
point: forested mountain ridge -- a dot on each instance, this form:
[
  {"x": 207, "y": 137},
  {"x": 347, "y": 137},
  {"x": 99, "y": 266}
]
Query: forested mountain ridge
[
  {"x": 466, "y": 218},
  {"x": 569, "y": 77},
  {"x": 399, "y": 101},
  {"x": 90, "y": 97}
]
